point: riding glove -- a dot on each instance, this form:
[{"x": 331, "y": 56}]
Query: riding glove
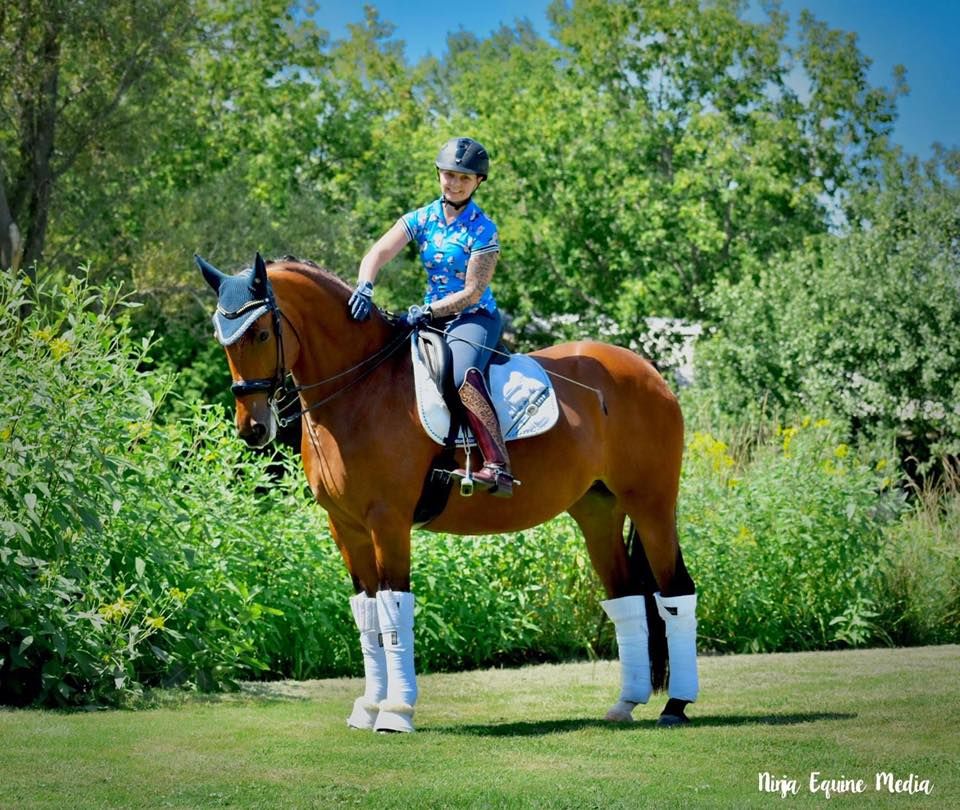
[
  {"x": 361, "y": 302},
  {"x": 416, "y": 316}
]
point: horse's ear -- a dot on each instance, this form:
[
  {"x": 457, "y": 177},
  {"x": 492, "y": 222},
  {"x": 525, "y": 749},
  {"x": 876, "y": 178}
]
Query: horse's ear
[
  {"x": 259, "y": 274},
  {"x": 213, "y": 276}
]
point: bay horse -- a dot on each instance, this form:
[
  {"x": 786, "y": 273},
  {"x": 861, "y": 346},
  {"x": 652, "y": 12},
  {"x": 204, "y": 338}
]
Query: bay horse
[{"x": 366, "y": 455}]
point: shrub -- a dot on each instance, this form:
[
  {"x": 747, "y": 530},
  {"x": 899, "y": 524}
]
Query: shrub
[
  {"x": 922, "y": 567},
  {"x": 863, "y": 324},
  {"x": 785, "y": 545},
  {"x": 137, "y": 553},
  {"x": 505, "y": 599},
  {"x": 131, "y": 553}
]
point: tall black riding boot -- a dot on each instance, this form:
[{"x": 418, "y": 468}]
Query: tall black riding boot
[{"x": 495, "y": 474}]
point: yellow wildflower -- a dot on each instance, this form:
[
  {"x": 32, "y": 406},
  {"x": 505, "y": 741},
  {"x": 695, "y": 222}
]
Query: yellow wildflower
[
  {"x": 139, "y": 430},
  {"x": 60, "y": 348},
  {"x": 117, "y": 610},
  {"x": 711, "y": 449},
  {"x": 156, "y": 622},
  {"x": 745, "y": 537},
  {"x": 842, "y": 451},
  {"x": 788, "y": 434}
]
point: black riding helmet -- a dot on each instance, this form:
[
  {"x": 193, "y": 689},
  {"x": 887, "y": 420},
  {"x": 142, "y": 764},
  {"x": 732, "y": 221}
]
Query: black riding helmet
[{"x": 464, "y": 155}]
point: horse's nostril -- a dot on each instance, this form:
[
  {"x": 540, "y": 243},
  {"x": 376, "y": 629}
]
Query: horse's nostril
[{"x": 255, "y": 434}]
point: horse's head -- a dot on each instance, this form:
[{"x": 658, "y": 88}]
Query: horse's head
[{"x": 248, "y": 325}]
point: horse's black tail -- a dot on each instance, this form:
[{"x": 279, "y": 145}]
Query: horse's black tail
[{"x": 640, "y": 572}]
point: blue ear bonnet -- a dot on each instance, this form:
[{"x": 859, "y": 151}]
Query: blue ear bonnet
[{"x": 240, "y": 302}]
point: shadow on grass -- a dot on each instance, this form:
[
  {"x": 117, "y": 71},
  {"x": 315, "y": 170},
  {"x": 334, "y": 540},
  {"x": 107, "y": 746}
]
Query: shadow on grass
[{"x": 543, "y": 727}]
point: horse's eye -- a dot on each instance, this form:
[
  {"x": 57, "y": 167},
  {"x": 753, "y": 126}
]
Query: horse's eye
[{"x": 263, "y": 336}]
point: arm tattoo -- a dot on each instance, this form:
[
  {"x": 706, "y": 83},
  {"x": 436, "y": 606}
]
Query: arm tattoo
[{"x": 479, "y": 273}]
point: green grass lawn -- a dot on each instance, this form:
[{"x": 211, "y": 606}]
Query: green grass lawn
[{"x": 527, "y": 737}]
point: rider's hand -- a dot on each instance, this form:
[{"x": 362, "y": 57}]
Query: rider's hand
[
  {"x": 416, "y": 316},
  {"x": 361, "y": 302}
]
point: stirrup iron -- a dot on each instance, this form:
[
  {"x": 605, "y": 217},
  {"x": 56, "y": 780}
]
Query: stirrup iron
[{"x": 466, "y": 483}]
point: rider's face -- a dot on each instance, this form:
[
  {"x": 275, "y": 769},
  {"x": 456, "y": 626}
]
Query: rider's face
[{"x": 457, "y": 186}]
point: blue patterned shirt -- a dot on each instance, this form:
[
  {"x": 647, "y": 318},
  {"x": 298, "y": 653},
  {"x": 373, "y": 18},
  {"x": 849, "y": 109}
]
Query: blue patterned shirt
[{"x": 445, "y": 249}]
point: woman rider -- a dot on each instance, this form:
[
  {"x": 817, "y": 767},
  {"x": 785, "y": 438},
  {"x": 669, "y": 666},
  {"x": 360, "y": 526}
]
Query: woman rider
[{"x": 459, "y": 250}]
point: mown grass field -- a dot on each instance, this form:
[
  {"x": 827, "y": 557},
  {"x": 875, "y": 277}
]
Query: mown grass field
[{"x": 527, "y": 738}]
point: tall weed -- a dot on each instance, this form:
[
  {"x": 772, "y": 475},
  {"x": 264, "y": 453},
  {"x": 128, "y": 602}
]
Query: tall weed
[
  {"x": 786, "y": 543},
  {"x": 922, "y": 565}
]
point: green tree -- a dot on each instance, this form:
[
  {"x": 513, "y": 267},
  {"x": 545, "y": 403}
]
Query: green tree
[
  {"x": 67, "y": 74},
  {"x": 864, "y": 323},
  {"x": 659, "y": 147}
]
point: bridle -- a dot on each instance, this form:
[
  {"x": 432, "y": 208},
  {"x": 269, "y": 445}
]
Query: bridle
[
  {"x": 242, "y": 388},
  {"x": 279, "y": 386}
]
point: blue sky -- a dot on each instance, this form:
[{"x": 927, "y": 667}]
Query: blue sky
[{"x": 921, "y": 35}]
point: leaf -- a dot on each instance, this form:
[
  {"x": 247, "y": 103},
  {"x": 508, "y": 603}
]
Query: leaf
[
  {"x": 10, "y": 529},
  {"x": 140, "y": 566},
  {"x": 30, "y": 500},
  {"x": 27, "y": 641}
]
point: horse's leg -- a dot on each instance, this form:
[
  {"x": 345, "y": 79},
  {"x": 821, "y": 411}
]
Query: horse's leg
[
  {"x": 601, "y": 522},
  {"x": 655, "y": 521},
  {"x": 357, "y": 552},
  {"x": 395, "y": 605}
]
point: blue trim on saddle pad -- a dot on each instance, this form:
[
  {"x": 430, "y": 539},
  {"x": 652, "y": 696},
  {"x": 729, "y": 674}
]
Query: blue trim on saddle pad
[
  {"x": 522, "y": 393},
  {"x": 237, "y": 307}
]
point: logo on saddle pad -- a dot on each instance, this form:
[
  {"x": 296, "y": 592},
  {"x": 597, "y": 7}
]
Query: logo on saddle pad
[{"x": 523, "y": 396}]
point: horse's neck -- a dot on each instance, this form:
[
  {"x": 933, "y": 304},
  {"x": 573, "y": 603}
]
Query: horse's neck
[{"x": 331, "y": 341}]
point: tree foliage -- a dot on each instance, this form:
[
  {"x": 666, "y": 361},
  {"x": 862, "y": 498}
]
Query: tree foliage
[
  {"x": 660, "y": 147},
  {"x": 864, "y": 323},
  {"x": 70, "y": 74},
  {"x": 644, "y": 151}
]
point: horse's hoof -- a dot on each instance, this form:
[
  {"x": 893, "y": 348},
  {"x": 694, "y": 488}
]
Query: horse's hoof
[
  {"x": 394, "y": 717},
  {"x": 621, "y": 712},
  {"x": 364, "y": 714},
  {"x": 672, "y": 720}
]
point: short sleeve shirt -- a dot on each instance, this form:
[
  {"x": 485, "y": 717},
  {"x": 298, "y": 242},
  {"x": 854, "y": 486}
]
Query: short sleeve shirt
[{"x": 445, "y": 249}]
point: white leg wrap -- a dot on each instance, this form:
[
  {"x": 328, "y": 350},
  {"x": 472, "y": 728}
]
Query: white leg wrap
[
  {"x": 395, "y": 610},
  {"x": 629, "y": 617},
  {"x": 366, "y": 707},
  {"x": 679, "y": 613}
]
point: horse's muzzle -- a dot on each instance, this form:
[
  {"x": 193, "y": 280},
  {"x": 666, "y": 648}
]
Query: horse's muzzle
[{"x": 256, "y": 425}]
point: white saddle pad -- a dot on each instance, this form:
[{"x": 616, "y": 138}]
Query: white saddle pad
[{"x": 522, "y": 395}]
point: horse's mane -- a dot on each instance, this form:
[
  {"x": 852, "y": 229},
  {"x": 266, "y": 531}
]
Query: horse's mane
[{"x": 313, "y": 271}]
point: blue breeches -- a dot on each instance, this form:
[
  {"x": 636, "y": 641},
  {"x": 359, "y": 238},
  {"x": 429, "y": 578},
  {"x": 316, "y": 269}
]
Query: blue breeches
[{"x": 471, "y": 338}]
